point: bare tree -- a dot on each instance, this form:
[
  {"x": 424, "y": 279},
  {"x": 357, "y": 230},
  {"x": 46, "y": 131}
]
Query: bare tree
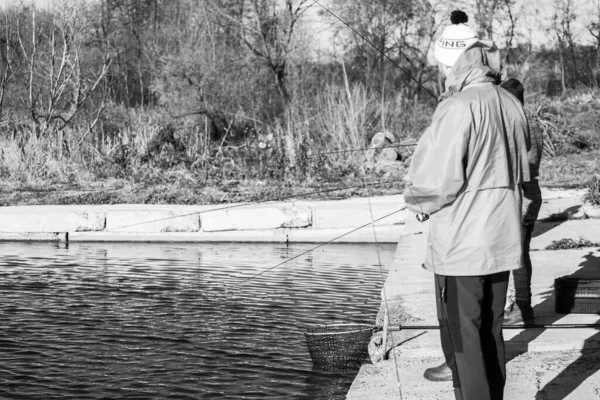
[
  {"x": 11, "y": 57},
  {"x": 509, "y": 34},
  {"x": 594, "y": 29},
  {"x": 562, "y": 24},
  {"x": 485, "y": 10},
  {"x": 402, "y": 30},
  {"x": 415, "y": 44},
  {"x": 58, "y": 85},
  {"x": 267, "y": 29}
]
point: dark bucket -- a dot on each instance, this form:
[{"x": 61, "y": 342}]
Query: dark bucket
[
  {"x": 577, "y": 295},
  {"x": 338, "y": 347}
]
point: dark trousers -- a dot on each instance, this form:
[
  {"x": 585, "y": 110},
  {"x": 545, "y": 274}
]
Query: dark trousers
[
  {"x": 471, "y": 311},
  {"x": 522, "y": 276}
]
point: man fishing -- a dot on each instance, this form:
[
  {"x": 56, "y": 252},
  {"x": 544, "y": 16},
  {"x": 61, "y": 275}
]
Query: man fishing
[{"x": 466, "y": 173}]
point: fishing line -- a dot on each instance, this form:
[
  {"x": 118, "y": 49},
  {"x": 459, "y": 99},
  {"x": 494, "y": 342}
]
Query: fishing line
[
  {"x": 356, "y": 150},
  {"x": 322, "y": 191},
  {"x": 386, "y": 315},
  {"x": 378, "y": 49},
  {"x": 314, "y": 248},
  {"x": 387, "y": 311},
  {"x": 253, "y": 203},
  {"x": 384, "y": 55},
  {"x": 311, "y": 155},
  {"x": 422, "y": 217},
  {"x": 395, "y": 146}
]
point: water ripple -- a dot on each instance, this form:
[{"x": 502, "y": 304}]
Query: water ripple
[{"x": 121, "y": 321}]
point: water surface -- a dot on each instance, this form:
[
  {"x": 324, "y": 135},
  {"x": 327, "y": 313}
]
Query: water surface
[{"x": 146, "y": 321}]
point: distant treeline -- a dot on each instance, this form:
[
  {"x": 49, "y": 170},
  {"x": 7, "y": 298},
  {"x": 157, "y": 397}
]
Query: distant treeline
[{"x": 124, "y": 79}]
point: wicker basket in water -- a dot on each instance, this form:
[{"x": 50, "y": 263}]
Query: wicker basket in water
[{"x": 340, "y": 346}]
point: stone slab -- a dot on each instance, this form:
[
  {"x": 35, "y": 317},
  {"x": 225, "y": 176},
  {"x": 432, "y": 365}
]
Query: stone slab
[
  {"x": 151, "y": 221},
  {"x": 384, "y": 234},
  {"x": 52, "y": 220},
  {"x": 256, "y": 218},
  {"x": 130, "y": 218},
  {"x": 333, "y": 217},
  {"x": 406, "y": 277},
  {"x": 350, "y": 214}
]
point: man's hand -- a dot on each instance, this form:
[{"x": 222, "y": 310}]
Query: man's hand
[{"x": 422, "y": 217}]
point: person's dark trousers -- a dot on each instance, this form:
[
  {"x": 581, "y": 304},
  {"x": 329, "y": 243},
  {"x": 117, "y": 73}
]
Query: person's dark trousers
[
  {"x": 522, "y": 276},
  {"x": 471, "y": 311}
]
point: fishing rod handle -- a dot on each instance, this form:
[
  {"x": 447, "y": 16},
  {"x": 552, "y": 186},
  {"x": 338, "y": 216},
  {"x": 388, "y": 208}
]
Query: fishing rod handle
[{"x": 514, "y": 326}]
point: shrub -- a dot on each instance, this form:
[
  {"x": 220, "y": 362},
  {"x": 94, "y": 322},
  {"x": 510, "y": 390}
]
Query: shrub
[
  {"x": 567, "y": 244},
  {"x": 592, "y": 194}
]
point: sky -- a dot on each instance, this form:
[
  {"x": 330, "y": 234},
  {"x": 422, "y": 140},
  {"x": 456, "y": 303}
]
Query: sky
[
  {"x": 37, "y": 2},
  {"x": 534, "y": 18}
]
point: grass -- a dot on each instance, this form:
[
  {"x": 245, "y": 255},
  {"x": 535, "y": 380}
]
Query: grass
[
  {"x": 569, "y": 171},
  {"x": 592, "y": 187},
  {"x": 123, "y": 192},
  {"x": 308, "y": 153},
  {"x": 313, "y": 149}
]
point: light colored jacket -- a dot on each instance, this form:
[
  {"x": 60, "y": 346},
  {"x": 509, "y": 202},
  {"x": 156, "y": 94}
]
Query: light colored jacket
[{"x": 467, "y": 172}]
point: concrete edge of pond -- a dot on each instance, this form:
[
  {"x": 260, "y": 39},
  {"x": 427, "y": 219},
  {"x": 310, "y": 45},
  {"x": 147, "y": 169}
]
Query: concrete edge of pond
[
  {"x": 385, "y": 234},
  {"x": 289, "y": 221},
  {"x": 283, "y": 222}
]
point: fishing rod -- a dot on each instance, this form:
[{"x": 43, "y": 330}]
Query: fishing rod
[
  {"x": 400, "y": 328},
  {"x": 394, "y": 146},
  {"x": 357, "y": 150},
  {"x": 384, "y": 290}
]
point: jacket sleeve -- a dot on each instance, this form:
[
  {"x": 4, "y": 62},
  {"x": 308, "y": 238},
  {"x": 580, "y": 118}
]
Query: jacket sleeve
[{"x": 437, "y": 170}]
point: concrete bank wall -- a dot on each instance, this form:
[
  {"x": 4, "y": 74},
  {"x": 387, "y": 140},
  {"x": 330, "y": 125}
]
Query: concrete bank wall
[
  {"x": 315, "y": 221},
  {"x": 294, "y": 222}
]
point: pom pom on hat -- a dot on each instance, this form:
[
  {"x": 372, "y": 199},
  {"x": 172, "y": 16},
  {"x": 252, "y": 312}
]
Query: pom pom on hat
[
  {"x": 458, "y": 17},
  {"x": 455, "y": 39}
]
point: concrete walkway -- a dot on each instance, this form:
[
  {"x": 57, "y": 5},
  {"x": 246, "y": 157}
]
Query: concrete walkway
[{"x": 544, "y": 364}]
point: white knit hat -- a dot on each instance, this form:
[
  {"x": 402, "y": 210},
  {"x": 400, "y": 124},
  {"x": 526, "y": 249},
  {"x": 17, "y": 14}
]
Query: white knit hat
[{"x": 455, "y": 39}]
